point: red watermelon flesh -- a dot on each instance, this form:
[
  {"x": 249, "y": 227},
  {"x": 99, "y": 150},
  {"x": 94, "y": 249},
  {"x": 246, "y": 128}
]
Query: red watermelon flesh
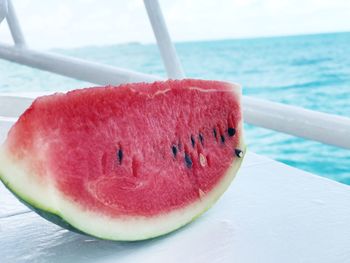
[{"x": 134, "y": 152}]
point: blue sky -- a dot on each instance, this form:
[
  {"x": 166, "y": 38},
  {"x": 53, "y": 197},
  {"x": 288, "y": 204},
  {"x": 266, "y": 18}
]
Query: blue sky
[{"x": 65, "y": 23}]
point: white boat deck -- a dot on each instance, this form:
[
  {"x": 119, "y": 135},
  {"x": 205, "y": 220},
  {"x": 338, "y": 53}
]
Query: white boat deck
[{"x": 270, "y": 213}]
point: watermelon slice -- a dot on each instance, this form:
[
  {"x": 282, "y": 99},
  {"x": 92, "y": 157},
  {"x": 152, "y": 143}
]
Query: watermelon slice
[{"x": 129, "y": 162}]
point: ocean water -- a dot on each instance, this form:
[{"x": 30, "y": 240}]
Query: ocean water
[{"x": 311, "y": 71}]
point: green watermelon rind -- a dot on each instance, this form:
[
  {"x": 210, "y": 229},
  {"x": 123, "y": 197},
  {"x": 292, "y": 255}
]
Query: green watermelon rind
[
  {"x": 58, "y": 219},
  {"x": 48, "y": 215}
]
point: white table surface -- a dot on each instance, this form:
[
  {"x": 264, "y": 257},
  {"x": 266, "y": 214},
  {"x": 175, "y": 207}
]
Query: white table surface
[{"x": 270, "y": 213}]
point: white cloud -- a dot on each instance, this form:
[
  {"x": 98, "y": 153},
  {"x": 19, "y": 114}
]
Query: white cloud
[{"x": 64, "y": 23}]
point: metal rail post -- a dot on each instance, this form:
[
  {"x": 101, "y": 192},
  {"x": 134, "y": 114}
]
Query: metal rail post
[
  {"x": 166, "y": 47},
  {"x": 14, "y": 25},
  {"x": 3, "y": 9}
]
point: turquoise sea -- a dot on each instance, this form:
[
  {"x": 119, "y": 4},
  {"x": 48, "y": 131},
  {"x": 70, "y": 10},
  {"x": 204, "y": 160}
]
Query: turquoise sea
[{"x": 311, "y": 71}]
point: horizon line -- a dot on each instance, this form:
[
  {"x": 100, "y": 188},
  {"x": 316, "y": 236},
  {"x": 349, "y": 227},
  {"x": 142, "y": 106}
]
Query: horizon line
[{"x": 207, "y": 40}]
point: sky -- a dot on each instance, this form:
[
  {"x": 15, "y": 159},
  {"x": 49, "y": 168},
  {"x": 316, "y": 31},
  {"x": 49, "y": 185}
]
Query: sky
[{"x": 65, "y": 23}]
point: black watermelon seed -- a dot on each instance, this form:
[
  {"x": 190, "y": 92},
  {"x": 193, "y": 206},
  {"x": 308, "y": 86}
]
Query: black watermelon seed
[
  {"x": 239, "y": 153},
  {"x": 174, "y": 149},
  {"x": 201, "y": 139},
  {"x": 231, "y": 131},
  {"x": 192, "y": 141},
  {"x": 215, "y": 134},
  {"x": 222, "y": 138},
  {"x": 188, "y": 161},
  {"x": 120, "y": 155}
]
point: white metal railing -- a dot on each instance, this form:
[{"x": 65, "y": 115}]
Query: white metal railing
[
  {"x": 326, "y": 128},
  {"x": 318, "y": 126},
  {"x": 3, "y": 9},
  {"x": 72, "y": 67},
  {"x": 14, "y": 26},
  {"x": 166, "y": 47}
]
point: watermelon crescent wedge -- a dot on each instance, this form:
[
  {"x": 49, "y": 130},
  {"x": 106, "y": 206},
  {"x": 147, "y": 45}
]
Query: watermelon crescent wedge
[{"x": 126, "y": 163}]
